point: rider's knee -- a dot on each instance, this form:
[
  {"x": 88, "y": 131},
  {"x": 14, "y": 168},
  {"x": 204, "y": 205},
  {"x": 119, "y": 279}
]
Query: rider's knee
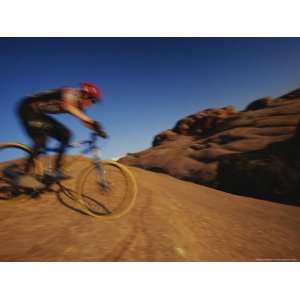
[
  {"x": 39, "y": 143},
  {"x": 65, "y": 136}
]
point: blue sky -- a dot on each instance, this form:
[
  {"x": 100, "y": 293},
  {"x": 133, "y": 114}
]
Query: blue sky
[{"x": 148, "y": 83}]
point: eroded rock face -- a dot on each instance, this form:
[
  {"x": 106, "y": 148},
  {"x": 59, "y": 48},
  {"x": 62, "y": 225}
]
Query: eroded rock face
[
  {"x": 260, "y": 103},
  {"x": 254, "y": 152}
]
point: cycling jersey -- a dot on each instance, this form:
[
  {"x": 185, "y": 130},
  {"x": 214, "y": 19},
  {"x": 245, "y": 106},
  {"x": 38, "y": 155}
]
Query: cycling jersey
[{"x": 51, "y": 102}]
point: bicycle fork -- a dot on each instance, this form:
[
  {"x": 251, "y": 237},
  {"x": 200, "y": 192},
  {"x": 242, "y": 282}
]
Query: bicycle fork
[{"x": 103, "y": 182}]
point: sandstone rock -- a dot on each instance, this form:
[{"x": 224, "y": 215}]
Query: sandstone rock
[
  {"x": 295, "y": 94},
  {"x": 252, "y": 152},
  {"x": 167, "y": 135},
  {"x": 259, "y": 104},
  {"x": 203, "y": 122}
]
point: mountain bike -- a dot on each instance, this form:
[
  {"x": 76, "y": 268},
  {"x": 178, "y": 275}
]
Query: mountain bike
[{"x": 103, "y": 188}]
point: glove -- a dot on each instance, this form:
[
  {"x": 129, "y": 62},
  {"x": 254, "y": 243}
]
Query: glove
[
  {"x": 103, "y": 134},
  {"x": 98, "y": 129}
]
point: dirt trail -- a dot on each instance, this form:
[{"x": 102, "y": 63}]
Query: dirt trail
[{"x": 172, "y": 220}]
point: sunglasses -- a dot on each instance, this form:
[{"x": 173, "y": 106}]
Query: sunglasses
[{"x": 93, "y": 99}]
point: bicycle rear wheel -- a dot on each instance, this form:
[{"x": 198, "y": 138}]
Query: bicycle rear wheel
[
  {"x": 110, "y": 201},
  {"x": 12, "y": 163}
]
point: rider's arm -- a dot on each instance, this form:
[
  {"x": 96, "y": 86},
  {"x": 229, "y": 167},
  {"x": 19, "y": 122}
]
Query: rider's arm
[
  {"x": 73, "y": 110},
  {"x": 69, "y": 104},
  {"x": 88, "y": 122}
]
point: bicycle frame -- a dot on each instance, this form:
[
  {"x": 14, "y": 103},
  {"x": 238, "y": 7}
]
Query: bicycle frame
[
  {"x": 92, "y": 148},
  {"x": 118, "y": 188}
]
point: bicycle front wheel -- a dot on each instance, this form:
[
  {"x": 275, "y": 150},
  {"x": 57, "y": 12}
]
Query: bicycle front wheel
[
  {"x": 12, "y": 163},
  {"x": 110, "y": 199}
]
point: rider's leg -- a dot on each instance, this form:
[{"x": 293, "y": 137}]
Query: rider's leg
[
  {"x": 62, "y": 134},
  {"x": 39, "y": 141},
  {"x": 32, "y": 122},
  {"x": 39, "y": 126}
]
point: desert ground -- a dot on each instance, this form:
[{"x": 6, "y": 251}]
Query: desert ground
[{"x": 171, "y": 220}]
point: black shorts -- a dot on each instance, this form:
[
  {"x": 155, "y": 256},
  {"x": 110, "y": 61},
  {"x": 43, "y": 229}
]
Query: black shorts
[{"x": 39, "y": 125}]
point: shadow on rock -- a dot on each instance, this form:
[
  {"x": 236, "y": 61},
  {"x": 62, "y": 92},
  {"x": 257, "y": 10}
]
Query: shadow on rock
[{"x": 272, "y": 173}]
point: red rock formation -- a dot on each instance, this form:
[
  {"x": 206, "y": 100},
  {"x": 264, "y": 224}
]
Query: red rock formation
[{"x": 194, "y": 148}]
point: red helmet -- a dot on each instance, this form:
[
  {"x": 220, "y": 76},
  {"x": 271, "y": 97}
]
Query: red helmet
[{"x": 92, "y": 90}]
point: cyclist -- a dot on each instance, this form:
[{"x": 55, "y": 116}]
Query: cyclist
[{"x": 34, "y": 113}]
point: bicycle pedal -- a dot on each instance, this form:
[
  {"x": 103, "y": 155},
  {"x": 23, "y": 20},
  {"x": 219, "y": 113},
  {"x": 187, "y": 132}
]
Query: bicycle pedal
[{"x": 52, "y": 178}]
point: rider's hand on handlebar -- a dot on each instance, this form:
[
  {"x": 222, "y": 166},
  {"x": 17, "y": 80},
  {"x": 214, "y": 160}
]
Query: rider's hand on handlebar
[
  {"x": 98, "y": 129},
  {"x": 103, "y": 134}
]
